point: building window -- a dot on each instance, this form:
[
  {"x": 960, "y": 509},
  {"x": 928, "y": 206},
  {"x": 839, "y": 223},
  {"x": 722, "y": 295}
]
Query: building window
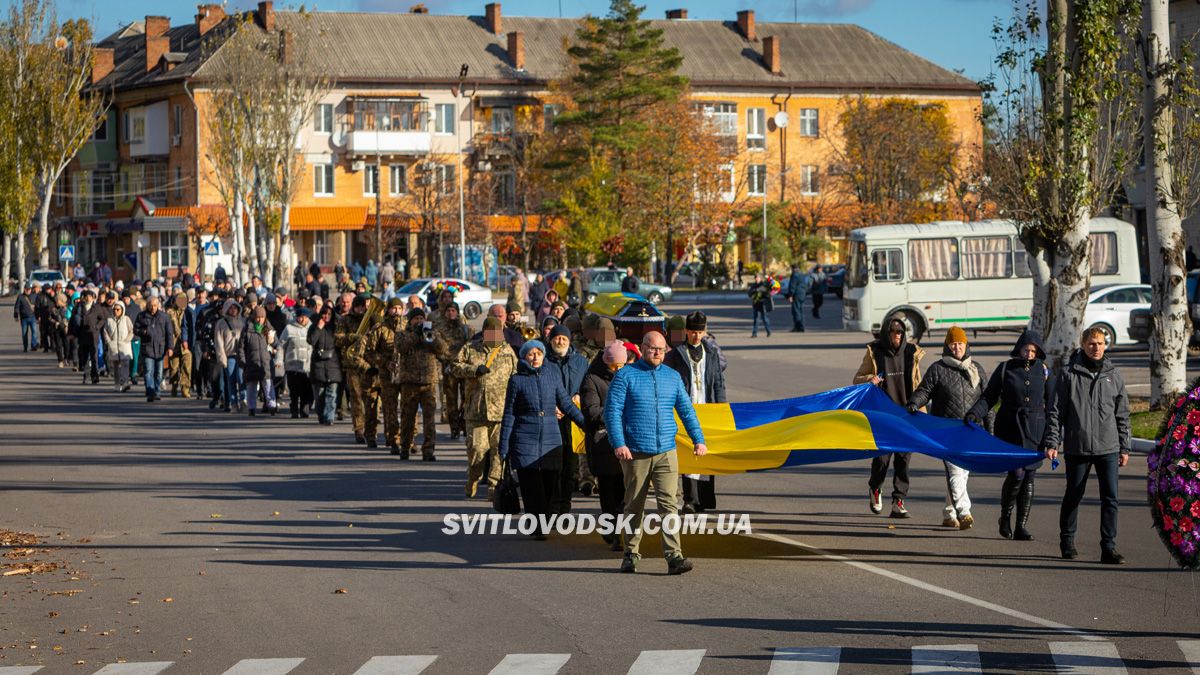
[
  {"x": 387, "y": 115},
  {"x": 370, "y": 180},
  {"x": 321, "y": 247},
  {"x": 756, "y": 128},
  {"x": 60, "y": 189},
  {"x": 138, "y": 129},
  {"x": 728, "y": 187},
  {"x": 550, "y": 112},
  {"x": 505, "y": 191},
  {"x": 125, "y": 127},
  {"x": 444, "y": 178},
  {"x": 502, "y": 120},
  {"x": 723, "y": 117},
  {"x": 178, "y": 182},
  {"x": 101, "y": 133},
  {"x": 323, "y": 118},
  {"x": 323, "y": 180},
  {"x": 102, "y": 193},
  {"x": 444, "y": 117},
  {"x": 172, "y": 249},
  {"x": 756, "y": 178},
  {"x": 809, "y": 180},
  {"x": 398, "y": 180},
  {"x": 810, "y": 122},
  {"x": 177, "y": 120}
]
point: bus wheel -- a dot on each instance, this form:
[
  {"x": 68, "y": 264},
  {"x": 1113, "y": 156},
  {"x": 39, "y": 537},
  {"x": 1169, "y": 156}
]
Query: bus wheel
[
  {"x": 1110, "y": 335},
  {"x": 916, "y": 327}
]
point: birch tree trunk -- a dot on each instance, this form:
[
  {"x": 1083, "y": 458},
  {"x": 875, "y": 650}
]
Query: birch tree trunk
[
  {"x": 239, "y": 241},
  {"x": 1069, "y": 264},
  {"x": 285, "y": 262},
  {"x": 20, "y": 271},
  {"x": 1168, "y": 339},
  {"x": 6, "y": 263},
  {"x": 43, "y": 225}
]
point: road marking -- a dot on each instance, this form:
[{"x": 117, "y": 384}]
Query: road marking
[
  {"x": 144, "y": 668},
  {"x": 941, "y": 659},
  {"x": 1191, "y": 652},
  {"x": 806, "y": 661},
  {"x": 19, "y": 670},
  {"x": 264, "y": 666},
  {"x": 925, "y": 586},
  {"x": 530, "y": 664},
  {"x": 395, "y": 665},
  {"x": 667, "y": 662},
  {"x": 1093, "y": 658}
]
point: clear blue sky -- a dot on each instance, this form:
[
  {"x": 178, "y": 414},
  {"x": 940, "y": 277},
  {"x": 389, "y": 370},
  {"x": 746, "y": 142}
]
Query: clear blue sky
[{"x": 955, "y": 34}]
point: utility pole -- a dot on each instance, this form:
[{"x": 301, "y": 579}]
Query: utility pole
[
  {"x": 764, "y": 219},
  {"x": 462, "y": 211},
  {"x": 378, "y": 224}
]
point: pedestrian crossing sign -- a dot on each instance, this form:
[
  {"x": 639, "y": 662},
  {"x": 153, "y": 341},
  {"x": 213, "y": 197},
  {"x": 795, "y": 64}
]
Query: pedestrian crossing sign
[
  {"x": 66, "y": 252},
  {"x": 212, "y": 247}
]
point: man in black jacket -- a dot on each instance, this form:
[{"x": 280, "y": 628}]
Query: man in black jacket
[
  {"x": 699, "y": 364},
  {"x": 158, "y": 335},
  {"x": 1089, "y": 418},
  {"x": 42, "y": 304},
  {"x": 630, "y": 283},
  {"x": 24, "y": 314}
]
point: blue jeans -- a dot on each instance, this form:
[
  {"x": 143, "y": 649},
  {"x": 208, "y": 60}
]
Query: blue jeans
[
  {"x": 1078, "y": 469},
  {"x": 760, "y": 311},
  {"x": 233, "y": 382},
  {"x": 29, "y": 337},
  {"x": 153, "y": 375},
  {"x": 326, "y": 402}
]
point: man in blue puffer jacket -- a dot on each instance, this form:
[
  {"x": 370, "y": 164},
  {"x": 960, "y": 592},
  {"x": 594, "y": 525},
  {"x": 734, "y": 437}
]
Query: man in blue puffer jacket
[{"x": 640, "y": 417}]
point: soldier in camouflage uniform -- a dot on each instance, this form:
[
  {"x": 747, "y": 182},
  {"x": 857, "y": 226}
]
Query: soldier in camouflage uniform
[
  {"x": 180, "y": 363},
  {"x": 362, "y": 383},
  {"x": 381, "y": 354},
  {"x": 419, "y": 353},
  {"x": 485, "y": 365},
  {"x": 449, "y": 325}
]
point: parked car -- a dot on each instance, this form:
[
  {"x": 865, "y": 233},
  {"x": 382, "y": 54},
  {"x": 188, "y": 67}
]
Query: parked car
[
  {"x": 473, "y": 300},
  {"x": 699, "y": 275},
  {"x": 1108, "y": 309},
  {"x": 835, "y": 278},
  {"x": 1140, "y": 327},
  {"x": 599, "y": 280},
  {"x": 45, "y": 276}
]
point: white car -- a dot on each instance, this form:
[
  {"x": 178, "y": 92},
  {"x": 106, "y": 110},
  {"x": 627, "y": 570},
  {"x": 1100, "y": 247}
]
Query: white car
[
  {"x": 44, "y": 276},
  {"x": 473, "y": 300},
  {"x": 1108, "y": 309}
]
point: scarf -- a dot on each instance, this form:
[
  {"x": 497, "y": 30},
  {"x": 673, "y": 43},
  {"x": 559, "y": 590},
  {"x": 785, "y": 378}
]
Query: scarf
[{"x": 966, "y": 364}]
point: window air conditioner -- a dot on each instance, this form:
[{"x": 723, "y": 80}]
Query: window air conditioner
[
  {"x": 176, "y": 140},
  {"x": 358, "y": 165}
]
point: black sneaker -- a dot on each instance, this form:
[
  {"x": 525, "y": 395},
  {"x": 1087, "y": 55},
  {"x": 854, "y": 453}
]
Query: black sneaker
[
  {"x": 1111, "y": 557},
  {"x": 679, "y": 566},
  {"x": 628, "y": 565},
  {"x": 1068, "y": 551},
  {"x": 372, "y": 442}
]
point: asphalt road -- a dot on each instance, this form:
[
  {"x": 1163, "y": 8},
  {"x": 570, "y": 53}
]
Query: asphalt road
[{"x": 205, "y": 542}]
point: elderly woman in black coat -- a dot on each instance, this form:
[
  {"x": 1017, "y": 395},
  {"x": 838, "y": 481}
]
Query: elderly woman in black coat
[
  {"x": 326, "y": 369},
  {"x": 1023, "y": 387},
  {"x": 601, "y": 459}
]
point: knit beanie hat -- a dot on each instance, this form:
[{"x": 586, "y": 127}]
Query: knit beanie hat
[
  {"x": 615, "y": 352},
  {"x": 560, "y": 330},
  {"x": 956, "y": 334},
  {"x": 696, "y": 321},
  {"x": 676, "y": 322},
  {"x": 530, "y": 346},
  {"x": 492, "y": 323}
]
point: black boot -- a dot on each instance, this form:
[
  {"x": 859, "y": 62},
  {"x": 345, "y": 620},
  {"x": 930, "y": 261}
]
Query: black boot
[
  {"x": 1024, "y": 506},
  {"x": 1008, "y": 496}
]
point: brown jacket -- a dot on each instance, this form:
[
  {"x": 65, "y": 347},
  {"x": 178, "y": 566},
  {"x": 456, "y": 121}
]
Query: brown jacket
[{"x": 870, "y": 368}]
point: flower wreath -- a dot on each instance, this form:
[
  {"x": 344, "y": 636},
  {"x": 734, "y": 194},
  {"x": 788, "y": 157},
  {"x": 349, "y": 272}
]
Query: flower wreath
[
  {"x": 774, "y": 285},
  {"x": 453, "y": 286},
  {"x": 1173, "y": 480}
]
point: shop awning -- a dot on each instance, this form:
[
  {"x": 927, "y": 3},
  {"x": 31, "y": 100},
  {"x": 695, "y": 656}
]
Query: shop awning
[{"x": 317, "y": 218}]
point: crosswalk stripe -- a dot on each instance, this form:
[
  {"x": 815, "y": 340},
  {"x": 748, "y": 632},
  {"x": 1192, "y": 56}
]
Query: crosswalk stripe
[
  {"x": 939, "y": 659},
  {"x": 1191, "y": 652},
  {"x": 1093, "y": 658},
  {"x": 395, "y": 665},
  {"x": 263, "y": 666},
  {"x": 530, "y": 664},
  {"x": 143, "y": 668},
  {"x": 806, "y": 661},
  {"x": 19, "y": 670},
  {"x": 667, "y": 662}
]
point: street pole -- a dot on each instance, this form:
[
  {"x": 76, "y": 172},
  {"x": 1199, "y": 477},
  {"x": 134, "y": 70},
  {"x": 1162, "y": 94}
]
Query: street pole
[
  {"x": 462, "y": 212},
  {"x": 378, "y": 224},
  {"x": 764, "y": 218}
]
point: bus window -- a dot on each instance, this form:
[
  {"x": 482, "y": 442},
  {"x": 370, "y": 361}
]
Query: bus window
[
  {"x": 987, "y": 257},
  {"x": 933, "y": 259},
  {"x": 888, "y": 264},
  {"x": 856, "y": 276},
  {"x": 1104, "y": 252},
  {"x": 1021, "y": 260}
]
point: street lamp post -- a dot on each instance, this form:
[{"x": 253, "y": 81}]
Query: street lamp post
[
  {"x": 462, "y": 213},
  {"x": 376, "y": 186},
  {"x": 764, "y": 220}
]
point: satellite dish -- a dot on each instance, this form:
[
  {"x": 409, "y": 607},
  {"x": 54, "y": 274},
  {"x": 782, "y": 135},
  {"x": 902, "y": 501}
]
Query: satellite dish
[{"x": 781, "y": 119}]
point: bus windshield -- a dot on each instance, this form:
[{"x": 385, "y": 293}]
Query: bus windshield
[{"x": 856, "y": 276}]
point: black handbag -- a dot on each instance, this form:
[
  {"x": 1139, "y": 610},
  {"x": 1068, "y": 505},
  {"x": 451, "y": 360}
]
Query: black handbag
[{"x": 507, "y": 499}]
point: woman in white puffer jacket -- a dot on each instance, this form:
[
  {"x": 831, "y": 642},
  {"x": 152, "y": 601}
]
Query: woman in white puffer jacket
[{"x": 118, "y": 345}]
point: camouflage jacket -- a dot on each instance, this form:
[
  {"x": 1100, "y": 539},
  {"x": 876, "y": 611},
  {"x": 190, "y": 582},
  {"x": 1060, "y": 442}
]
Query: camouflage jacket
[
  {"x": 587, "y": 349},
  {"x": 418, "y": 361},
  {"x": 454, "y": 333},
  {"x": 380, "y": 343},
  {"x": 352, "y": 348},
  {"x": 484, "y": 396}
]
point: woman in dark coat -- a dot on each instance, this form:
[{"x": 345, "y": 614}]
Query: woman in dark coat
[
  {"x": 258, "y": 349},
  {"x": 326, "y": 368},
  {"x": 1023, "y": 387},
  {"x": 600, "y": 456},
  {"x": 529, "y": 432}
]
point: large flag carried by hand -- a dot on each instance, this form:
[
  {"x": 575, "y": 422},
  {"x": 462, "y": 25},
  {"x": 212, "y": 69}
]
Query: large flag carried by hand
[{"x": 845, "y": 424}]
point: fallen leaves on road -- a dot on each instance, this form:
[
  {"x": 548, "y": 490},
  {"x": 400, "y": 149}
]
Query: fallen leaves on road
[
  {"x": 215, "y": 515},
  {"x": 341, "y": 591},
  {"x": 29, "y": 568},
  {"x": 274, "y": 513},
  {"x": 168, "y": 600},
  {"x": 14, "y": 538},
  {"x": 70, "y": 594}
]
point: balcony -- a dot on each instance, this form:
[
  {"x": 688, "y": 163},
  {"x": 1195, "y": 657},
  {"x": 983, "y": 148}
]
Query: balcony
[{"x": 389, "y": 142}]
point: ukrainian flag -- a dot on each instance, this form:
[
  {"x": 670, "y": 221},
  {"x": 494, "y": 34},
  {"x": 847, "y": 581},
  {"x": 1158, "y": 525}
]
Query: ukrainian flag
[{"x": 845, "y": 424}]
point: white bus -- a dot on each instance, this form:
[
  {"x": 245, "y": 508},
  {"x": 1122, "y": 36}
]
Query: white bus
[{"x": 973, "y": 275}]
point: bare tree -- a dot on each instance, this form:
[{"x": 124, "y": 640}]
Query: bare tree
[{"x": 431, "y": 203}]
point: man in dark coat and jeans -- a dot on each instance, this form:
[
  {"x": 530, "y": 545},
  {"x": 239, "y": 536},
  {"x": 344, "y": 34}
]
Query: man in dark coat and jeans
[
  {"x": 1089, "y": 419},
  {"x": 158, "y": 336}
]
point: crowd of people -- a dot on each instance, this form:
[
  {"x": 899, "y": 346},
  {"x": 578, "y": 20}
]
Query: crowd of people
[{"x": 513, "y": 391}]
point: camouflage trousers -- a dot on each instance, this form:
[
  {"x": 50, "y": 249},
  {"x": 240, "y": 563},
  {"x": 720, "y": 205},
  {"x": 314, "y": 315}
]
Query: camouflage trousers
[
  {"x": 452, "y": 402},
  {"x": 362, "y": 390},
  {"x": 389, "y": 403},
  {"x": 483, "y": 452},
  {"x": 180, "y": 367},
  {"x": 413, "y": 396}
]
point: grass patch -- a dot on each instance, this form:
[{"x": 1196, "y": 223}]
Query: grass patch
[{"x": 1146, "y": 423}]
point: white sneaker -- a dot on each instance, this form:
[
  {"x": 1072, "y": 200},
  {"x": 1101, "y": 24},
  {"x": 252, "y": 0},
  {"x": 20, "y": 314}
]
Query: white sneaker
[{"x": 876, "y": 498}]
